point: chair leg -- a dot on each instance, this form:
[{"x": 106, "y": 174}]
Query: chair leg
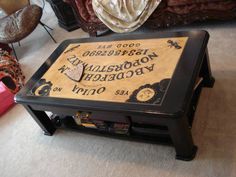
[
  {"x": 44, "y": 26},
  {"x": 14, "y": 51}
]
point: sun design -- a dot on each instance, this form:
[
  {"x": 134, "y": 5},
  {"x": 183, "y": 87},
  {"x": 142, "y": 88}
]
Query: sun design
[{"x": 145, "y": 94}]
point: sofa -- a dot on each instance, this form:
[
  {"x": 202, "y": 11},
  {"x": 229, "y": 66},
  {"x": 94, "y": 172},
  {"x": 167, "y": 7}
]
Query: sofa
[
  {"x": 180, "y": 12},
  {"x": 168, "y": 13},
  {"x": 86, "y": 17}
]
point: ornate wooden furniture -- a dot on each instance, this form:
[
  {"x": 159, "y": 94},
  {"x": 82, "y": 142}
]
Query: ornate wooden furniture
[
  {"x": 85, "y": 16},
  {"x": 168, "y": 13},
  {"x": 65, "y": 15},
  {"x": 143, "y": 86},
  {"x": 182, "y": 12}
]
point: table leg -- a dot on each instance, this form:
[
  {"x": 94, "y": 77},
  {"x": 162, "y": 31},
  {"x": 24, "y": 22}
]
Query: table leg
[
  {"x": 42, "y": 120},
  {"x": 205, "y": 72},
  {"x": 182, "y": 139}
]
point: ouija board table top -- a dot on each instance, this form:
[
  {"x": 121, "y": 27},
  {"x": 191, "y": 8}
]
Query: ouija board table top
[{"x": 150, "y": 79}]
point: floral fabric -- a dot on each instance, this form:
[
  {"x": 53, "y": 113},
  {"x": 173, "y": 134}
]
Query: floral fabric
[
  {"x": 10, "y": 72},
  {"x": 124, "y": 15}
]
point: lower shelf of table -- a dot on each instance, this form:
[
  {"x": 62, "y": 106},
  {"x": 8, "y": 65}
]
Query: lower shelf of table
[
  {"x": 131, "y": 130},
  {"x": 152, "y": 134}
]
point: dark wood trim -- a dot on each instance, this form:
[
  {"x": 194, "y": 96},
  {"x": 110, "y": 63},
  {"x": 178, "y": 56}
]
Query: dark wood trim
[
  {"x": 184, "y": 74},
  {"x": 64, "y": 14},
  {"x": 187, "y": 150},
  {"x": 91, "y": 27},
  {"x": 175, "y": 113},
  {"x": 42, "y": 120}
]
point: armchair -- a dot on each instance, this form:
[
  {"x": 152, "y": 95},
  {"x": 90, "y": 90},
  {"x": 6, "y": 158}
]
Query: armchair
[{"x": 19, "y": 23}]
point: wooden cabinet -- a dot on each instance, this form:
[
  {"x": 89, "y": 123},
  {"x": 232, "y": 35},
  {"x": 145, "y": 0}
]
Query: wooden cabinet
[{"x": 65, "y": 15}]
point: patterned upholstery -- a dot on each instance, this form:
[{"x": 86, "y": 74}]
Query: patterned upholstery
[
  {"x": 168, "y": 13},
  {"x": 202, "y": 6},
  {"x": 10, "y": 72},
  {"x": 188, "y": 2},
  {"x": 86, "y": 11},
  {"x": 5, "y": 47},
  {"x": 173, "y": 12},
  {"x": 86, "y": 17}
]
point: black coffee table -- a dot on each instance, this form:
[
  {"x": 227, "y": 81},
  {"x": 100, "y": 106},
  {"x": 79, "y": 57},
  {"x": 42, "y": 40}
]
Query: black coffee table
[{"x": 137, "y": 85}]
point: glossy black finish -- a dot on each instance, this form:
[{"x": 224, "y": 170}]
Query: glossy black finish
[
  {"x": 42, "y": 120},
  {"x": 175, "y": 113},
  {"x": 65, "y": 15}
]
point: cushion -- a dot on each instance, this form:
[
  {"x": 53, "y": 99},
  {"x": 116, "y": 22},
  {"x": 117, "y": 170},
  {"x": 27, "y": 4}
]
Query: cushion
[
  {"x": 17, "y": 26},
  {"x": 86, "y": 11},
  {"x": 202, "y": 7},
  {"x": 188, "y": 2},
  {"x": 11, "y": 6}
]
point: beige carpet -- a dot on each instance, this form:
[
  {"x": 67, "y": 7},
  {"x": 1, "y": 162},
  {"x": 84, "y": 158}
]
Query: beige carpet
[{"x": 26, "y": 152}]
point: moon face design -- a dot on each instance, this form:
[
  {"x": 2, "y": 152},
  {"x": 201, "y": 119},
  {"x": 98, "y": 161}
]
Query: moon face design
[
  {"x": 42, "y": 88},
  {"x": 150, "y": 93}
]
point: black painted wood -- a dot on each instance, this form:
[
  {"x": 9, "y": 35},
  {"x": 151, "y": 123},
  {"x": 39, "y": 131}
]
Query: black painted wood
[
  {"x": 65, "y": 15},
  {"x": 180, "y": 132},
  {"x": 206, "y": 71},
  {"x": 179, "y": 104},
  {"x": 42, "y": 120}
]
